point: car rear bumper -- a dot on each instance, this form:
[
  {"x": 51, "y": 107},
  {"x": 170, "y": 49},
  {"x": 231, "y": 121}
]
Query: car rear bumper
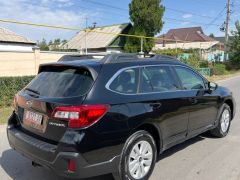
[{"x": 45, "y": 154}]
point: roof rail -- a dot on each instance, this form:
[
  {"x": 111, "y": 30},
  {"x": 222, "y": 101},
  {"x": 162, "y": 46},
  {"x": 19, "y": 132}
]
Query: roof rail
[
  {"x": 119, "y": 57},
  {"x": 72, "y": 57},
  {"x": 163, "y": 57}
]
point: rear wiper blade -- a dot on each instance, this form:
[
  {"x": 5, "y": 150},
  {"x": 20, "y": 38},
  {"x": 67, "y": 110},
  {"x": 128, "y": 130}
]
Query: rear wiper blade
[{"x": 32, "y": 90}]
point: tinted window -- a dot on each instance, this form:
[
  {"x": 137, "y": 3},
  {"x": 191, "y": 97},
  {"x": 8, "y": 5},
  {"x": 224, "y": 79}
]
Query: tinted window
[
  {"x": 62, "y": 82},
  {"x": 190, "y": 80},
  {"x": 157, "y": 79},
  {"x": 126, "y": 82}
]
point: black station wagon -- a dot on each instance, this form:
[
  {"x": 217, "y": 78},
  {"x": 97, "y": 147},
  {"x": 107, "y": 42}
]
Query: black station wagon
[{"x": 87, "y": 117}]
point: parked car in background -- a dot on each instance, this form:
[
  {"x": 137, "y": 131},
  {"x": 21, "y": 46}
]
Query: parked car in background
[{"x": 88, "y": 117}]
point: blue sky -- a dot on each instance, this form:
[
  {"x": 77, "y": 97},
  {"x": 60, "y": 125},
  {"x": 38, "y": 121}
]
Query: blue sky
[{"x": 209, "y": 14}]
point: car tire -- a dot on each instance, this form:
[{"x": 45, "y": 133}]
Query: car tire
[
  {"x": 138, "y": 157},
  {"x": 224, "y": 122}
]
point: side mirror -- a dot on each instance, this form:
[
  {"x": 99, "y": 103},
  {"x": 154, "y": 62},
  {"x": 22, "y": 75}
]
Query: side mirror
[{"x": 212, "y": 86}]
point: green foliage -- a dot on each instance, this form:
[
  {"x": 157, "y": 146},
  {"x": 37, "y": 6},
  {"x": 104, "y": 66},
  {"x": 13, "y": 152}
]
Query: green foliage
[
  {"x": 203, "y": 64},
  {"x": 147, "y": 21},
  {"x": 193, "y": 60},
  {"x": 234, "y": 44},
  {"x": 176, "y": 52},
  {"x": 43, "y": 45},
  {"x": 232, "y": 65},
  {"x": 10, "y": 86},
  {"x": 5, "y": 112},
  {"x": 57, "y": 42},
  {"x": 170, "y": 52},
  {"x": 211, "y": 35},
  {"x": 219, "y": 69}
]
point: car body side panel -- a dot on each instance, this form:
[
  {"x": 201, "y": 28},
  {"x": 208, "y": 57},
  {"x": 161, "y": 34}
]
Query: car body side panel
[{"x": 203, "y": 111}]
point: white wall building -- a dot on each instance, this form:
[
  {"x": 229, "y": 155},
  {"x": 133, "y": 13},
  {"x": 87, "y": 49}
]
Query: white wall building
[{"x": 10, "y": 41}]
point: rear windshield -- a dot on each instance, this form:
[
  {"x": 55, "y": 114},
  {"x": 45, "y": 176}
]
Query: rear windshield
[{"x": 61, "y": 82}]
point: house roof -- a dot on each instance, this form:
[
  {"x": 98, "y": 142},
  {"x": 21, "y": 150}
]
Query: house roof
[
  {"x": 9, "y": 36},
  {"x": 99, "y": 40},
  {"x": 191, "y": 34},
  {"x": 222, "y": 39}
]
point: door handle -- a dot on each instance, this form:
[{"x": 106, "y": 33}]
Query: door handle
[
  {"x": 156, "y": 105},
  {"x": 193, "y": 100}
]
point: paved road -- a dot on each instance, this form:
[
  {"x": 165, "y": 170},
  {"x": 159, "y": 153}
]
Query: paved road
[{"x": 202, "y": 158}]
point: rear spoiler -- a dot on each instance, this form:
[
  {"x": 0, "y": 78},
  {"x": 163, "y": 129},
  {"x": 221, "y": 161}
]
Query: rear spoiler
[{"x": 94, "y": 70}]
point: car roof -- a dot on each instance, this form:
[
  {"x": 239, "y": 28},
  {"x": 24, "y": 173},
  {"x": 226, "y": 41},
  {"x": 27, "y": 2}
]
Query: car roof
[{"x": 123, "y": 58}]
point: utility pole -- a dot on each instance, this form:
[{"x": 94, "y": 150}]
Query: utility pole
[
  {"x": 141, "y": 46},
  {"x": 86, "y": 50},
  {"x": 227, "y": 29}
]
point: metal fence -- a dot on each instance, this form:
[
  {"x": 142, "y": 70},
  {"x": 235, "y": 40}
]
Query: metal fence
[{"x": 205, "y": 71}]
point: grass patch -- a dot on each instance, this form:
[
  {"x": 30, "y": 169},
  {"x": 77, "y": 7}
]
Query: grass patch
[{"x": 5, "y": 112}]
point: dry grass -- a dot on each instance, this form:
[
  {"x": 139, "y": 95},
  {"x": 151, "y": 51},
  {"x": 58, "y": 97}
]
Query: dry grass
[
  {"x": 222, "y": 77},
  {"x": 5, "y": 112}
]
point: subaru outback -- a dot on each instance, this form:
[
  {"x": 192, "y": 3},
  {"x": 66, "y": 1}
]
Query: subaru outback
[{"x": 116, "y": 114}]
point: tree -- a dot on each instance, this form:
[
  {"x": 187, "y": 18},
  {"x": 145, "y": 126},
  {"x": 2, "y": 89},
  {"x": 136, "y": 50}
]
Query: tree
[
  {"x": 43, "y": 45},
  {"x": 146, "y": 17},
  {"x": 211, "y": 35},
  {"x": 234, "y": 44},
  {"x": 64, "y": 41}
]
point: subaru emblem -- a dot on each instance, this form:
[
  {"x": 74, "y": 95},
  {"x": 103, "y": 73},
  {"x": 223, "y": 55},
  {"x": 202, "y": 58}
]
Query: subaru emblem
[{"x": 29, "y": 103}]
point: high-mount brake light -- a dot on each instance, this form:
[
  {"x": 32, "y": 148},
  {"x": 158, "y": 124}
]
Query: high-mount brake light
[{"x": 80, "y": 116}]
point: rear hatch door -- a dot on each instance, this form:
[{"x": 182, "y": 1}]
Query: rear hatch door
[{"x": 54, "y": 86}]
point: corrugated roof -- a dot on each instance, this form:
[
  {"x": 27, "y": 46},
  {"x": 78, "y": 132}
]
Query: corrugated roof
[
  {"x": 94, "y": 39},
  {"x": 9, "y": 36},
  {"x": 192, "y": 34}
]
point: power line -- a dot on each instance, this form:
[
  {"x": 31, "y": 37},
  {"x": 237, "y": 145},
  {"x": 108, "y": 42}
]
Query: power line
[
  {"x": 194, "y": 22},
  {"x": 183, "y": 12},
  {"x": 216, "y": 18},
  {"x": 168, "y": 8},
  {"x": 86, "y": 30}
]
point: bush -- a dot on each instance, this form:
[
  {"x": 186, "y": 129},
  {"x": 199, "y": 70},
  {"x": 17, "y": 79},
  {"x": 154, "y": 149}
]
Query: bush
[
  {"x": 232, "y": 65},
  {"x": 193, "y": 60},
  {"x": 219, "y": 69},
  {"x": 9, "y": 86},
  {"x": 170, "y": 52},
  {"x": 203, "y": 64}
]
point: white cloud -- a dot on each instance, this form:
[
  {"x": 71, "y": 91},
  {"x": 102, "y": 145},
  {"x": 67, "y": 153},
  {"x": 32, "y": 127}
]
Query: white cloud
[
  {"x": 186, "y": 16},
  {"x": 42, "y": 13},
  {"x": 185, "y": 23}
]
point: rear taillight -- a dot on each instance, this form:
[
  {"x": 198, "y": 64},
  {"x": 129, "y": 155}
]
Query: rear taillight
[{"x": 80, "y": 116}]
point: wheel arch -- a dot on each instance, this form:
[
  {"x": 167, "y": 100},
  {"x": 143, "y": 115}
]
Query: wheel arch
[
  {"x": 229, "y": 102},
  {"x": 155, "y": 133}
]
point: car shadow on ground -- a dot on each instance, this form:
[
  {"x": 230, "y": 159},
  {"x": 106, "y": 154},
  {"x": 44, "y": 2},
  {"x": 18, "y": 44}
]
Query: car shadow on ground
[
  {"x": 18, "y": 167},
  {"x": 184, "y": 145}
]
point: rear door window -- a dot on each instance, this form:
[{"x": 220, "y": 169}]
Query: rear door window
[
  {"x": 126, "y": 82},
  {"x": 61, "y": 82},
  {"x": 157, "y": 79}
]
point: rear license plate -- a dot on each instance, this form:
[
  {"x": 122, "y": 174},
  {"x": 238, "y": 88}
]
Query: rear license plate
[{"x": 33, "y": 120}]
